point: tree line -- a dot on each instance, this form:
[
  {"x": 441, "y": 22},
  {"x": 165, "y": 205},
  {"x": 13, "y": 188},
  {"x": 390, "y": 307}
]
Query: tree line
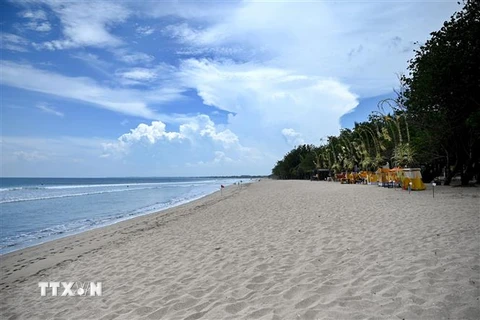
[{"x": 432, "y": 123}]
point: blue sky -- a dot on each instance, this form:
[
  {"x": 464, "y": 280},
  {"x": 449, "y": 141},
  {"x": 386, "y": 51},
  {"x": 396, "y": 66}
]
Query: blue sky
[{"x": 178, "y": 88}]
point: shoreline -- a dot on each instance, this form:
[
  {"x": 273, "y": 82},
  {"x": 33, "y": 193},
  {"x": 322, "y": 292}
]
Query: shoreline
[
  {"x": 80, "y": 243},
  {"x": 110, "y": 223},
  {"x": 270, "y": 250}
]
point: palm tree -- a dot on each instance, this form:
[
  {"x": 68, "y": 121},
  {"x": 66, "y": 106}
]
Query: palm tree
[
  {"x": 403, "y": 154},
  {"x": 373, "y": 157}
]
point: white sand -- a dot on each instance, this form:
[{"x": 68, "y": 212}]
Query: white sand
[{"x": 273, "y": 250}]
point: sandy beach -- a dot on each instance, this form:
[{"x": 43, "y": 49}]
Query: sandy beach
[{"x": 270, "y": 250}]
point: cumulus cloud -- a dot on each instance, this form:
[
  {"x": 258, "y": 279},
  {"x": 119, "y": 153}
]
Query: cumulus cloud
[
  {"x": 340, "y": 40},
  {"x": 292, "y": 137},
  {"x": 39, "y": 26},
  {"x": 221, "y": 157},
  {"x": 37, "y": 20},
  {"x": 196, "y": 131},
  {"x": 151, "y": 133},
  {"x": 34, "y": 14},
  {"x": 266, "y": 100},
  {"x": 309, "y": 62},
  {"x": 197, "y": 144},
  {"x": 203, "y": 126},
  {"x": 284, "y": 72}
]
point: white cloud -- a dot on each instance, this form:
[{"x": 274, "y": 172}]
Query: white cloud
[
  {"x": 184, "y": 33},
  {"x": 39, "y": 26},
  {"x": 322, "y": 38},
  {"x": 38, "y": 20},
  {"x": 94, "y": 62},
  {"x": 133, "y": 57},
  {"x": 196, "y": 131},
  {"x": 196, "y": 10},
  {"x": 126, "y": 101},
  {"x": 221, "y": 52},
  {"x": 13, "y": 42},
  {"x": 86, "y": 24},
  {"x": 153, "y": 133},
  {"x": 292, "y": 137},
  {"x": 145, "y": 30},
  {"x": 32, "y": 156},
  {"x": 50, "y": 110},
  {"x": 198, "y": 143},
  {"x": 143, "y": 132},
  {"x": 161, "y": 73},
  {"x": 267, "y": 100},
  {"x": 202, "y": 126},
  {"x": 294, "y": 70},
  {"x": 221, "y": 157},
  {"x": 54, "y": 45},
  {"x": 138, "y": 74},
  {"x": 34, "y": 14},
  {"x": 309, "y": 62}
]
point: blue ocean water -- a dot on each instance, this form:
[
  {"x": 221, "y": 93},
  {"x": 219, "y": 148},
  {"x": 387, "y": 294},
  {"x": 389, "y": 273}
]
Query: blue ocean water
[{"x": 36, "y": 210}]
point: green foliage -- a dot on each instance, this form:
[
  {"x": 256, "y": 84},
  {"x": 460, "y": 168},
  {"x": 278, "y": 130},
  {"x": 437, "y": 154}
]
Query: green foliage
[
  {"x": 434, "y": 121},
  {"x": 442, "y": 94},
  {"x": 296, "y": 164}
]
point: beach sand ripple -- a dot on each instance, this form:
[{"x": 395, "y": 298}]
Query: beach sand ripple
[{"x": 270, "y": 250}]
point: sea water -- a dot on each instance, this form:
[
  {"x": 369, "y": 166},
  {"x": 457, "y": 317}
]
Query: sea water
[{"x": 36, "y": 210}]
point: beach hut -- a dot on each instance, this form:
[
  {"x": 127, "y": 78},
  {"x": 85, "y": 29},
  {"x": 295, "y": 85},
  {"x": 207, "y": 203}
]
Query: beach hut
[{"x": 414, "y": 176}]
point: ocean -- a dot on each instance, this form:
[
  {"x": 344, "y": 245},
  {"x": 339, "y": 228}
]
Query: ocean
[{"x": 37, "y": 210}]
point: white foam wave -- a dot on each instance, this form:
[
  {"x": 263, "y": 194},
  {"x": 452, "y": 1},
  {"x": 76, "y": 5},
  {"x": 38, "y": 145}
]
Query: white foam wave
[{"x": 25, "y": 239}]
